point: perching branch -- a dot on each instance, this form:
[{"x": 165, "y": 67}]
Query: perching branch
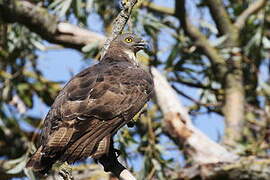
[
  {"x": 253, "y": 8},
  {"x": 110, "y": 162},
  {"x": 119, "y": 22}
]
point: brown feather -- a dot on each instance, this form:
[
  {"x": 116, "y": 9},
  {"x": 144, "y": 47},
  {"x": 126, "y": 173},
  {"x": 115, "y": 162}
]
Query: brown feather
[
  {"x": 91, "y": 107},
  {"x": 103, "y": 147}
]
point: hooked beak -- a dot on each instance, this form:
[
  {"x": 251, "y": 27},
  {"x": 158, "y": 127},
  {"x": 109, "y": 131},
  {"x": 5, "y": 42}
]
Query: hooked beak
[{"x": 140, "y": 45}]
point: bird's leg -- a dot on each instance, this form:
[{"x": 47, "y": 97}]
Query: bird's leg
[
  {"x": 110, "y": 163},
  {"x": 117, "y": 151}
]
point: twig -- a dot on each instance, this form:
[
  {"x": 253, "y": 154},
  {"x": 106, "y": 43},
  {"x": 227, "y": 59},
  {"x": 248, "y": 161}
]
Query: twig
[
  {"x": 221, "y": 17},
  {"x": 119, "y": 23},
  {"x": 253, "y": 8},
  {"x": 207, "y": 105}
]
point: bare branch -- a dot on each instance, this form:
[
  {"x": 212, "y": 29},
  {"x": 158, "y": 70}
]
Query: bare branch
[
  {"x": 253, "y": 8},
  {"x": 46, "y": 25},
  {"x": 179, "y": 126},
  {"x": 156, "y": 8}
]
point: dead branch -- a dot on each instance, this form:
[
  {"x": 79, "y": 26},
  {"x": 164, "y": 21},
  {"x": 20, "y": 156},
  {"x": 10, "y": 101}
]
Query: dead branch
[
  {"x": 250, "y": 168},
  {"x": 178, "y": 124}
]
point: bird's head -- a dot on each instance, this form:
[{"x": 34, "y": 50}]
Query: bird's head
[{"x": 129, "y": 42}]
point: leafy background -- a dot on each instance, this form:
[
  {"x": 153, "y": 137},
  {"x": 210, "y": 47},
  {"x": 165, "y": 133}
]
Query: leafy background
[{"x": 33, "y": 71}]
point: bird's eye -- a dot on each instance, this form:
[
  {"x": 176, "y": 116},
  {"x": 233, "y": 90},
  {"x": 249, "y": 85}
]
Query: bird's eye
[{"x": 128, "y": 40}]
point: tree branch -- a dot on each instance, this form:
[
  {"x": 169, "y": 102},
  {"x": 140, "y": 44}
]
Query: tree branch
[
  {"x": 253, "y": 8},
  {"x": 156, "y": 8},
  {"x": 221, "y": 17},
  {"x": 250, "y": 168},
  {"x": 110, "y": 162},
  {"x": 46, "y": 25},
  {"x": 70, "y": 28},
  {"x": 119, "y": 22},
  {"x": 178, "y": 124},
  {"x": 218, "y": 63}
]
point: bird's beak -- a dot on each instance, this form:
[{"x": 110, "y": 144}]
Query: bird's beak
[{"x": 141, "y": 45}]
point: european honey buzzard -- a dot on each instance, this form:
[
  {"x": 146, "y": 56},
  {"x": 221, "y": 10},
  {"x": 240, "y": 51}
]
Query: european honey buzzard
[{"x": 93, "y": 105}]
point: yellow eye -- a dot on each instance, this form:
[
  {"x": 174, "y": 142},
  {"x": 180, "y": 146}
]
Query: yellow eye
[{"x": 128, "y": 40}]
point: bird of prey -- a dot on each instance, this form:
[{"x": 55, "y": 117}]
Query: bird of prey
[{"x": 93, "y": 105}]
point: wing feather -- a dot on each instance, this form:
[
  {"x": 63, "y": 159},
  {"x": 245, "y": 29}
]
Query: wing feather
[{"x": 91, "y": 108}]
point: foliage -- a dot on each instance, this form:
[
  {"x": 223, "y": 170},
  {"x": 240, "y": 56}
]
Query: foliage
[{"x": 172, "y": 50}]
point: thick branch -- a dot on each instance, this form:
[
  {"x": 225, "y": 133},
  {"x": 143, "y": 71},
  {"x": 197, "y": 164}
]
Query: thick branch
[
  {"x": 250, "y": 168},
  {"x": 178, "y": 124},
  {"x": 230, "y": 74},
  {"x": 253, "y": 8},
  {"x": 46, "y": 25}
]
